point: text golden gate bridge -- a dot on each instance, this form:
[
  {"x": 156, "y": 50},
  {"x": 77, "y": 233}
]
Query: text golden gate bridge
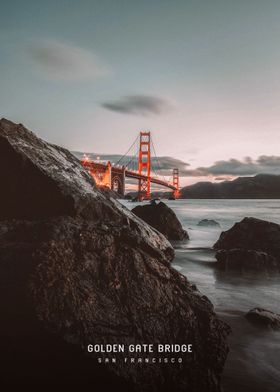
[{"x": 139, "y": 163}]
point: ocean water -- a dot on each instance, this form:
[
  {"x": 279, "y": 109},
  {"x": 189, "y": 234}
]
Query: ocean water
[{"x": 253, "y": 363}]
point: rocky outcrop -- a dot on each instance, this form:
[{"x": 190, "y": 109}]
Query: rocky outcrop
[
  {"x": 42, "y": 180},
  {"x": 264, "y": 318},
  {"x": 163, "y": 219},
  {"x": 208, "y": 223},
  {"x": 77, "y": 268},
  {"x": 249, "y": 244}
]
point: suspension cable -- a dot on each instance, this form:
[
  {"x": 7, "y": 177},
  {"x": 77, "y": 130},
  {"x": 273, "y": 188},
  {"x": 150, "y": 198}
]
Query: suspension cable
[
  {"x": 157, "y": 159},
  {"x": 125, "y": 155}
]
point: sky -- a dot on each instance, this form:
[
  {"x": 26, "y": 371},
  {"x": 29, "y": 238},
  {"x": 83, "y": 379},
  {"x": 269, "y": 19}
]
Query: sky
[{"x": 203, "y": 76}]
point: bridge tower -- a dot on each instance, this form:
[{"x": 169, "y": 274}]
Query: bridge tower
[
  {"x": 144, "y": 166},
  {"x": 176, "y": 192}
]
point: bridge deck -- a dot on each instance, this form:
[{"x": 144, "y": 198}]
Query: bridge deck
[{"x": 128, "y": 173}]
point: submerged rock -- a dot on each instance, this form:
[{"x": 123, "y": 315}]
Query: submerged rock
[
  {"x": 244, "y": 259},
  {"x": 252, "y": 243},
  {"x": 208, "y": 223},
  {"x": 77, "y": 268},
  {"x": 162, "y": 218},
  {"x": 264, "y": 318}
]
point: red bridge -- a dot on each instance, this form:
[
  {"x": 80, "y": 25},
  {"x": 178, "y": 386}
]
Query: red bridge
[{"x": 107, "y": 174}]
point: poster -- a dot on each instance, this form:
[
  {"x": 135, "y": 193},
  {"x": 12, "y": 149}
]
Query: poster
[{"x": 139, "y": 195}]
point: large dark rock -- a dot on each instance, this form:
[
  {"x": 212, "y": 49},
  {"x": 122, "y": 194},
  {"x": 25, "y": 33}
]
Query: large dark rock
[
  {"x": 78, "y": 268},
  {"x": 42, "y": 180},
  {"x": 264, "y": 318},
  {"x": 251, "y": 233},
  {"x": 252, "y": 243},
  {"x": 162, "y": 218}
]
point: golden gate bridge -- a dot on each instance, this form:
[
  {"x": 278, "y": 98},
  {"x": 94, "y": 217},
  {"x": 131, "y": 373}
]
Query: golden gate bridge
[{"x": 136, "y": 163}]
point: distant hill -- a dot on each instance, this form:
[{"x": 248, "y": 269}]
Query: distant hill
[{"x": 262, "y": 186}]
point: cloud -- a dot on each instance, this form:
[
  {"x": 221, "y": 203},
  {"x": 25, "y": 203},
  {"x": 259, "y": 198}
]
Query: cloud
[
  {"x": 164, "y": 165},
  {"x": 234, "y": 167},
  {"x": 65, "y": 62},
  {"x": 138, "y": 105},
  {"x": 220, "y": 170}
]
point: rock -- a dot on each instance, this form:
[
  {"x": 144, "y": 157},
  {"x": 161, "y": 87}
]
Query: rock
[
  {"x": 163, "y": 219},
  {"x": 48, "y": 178},
  {"x": 252, "y": 243},
  {"x": 88, "y": 271},
  {"x": 251, "y": 233},
  {"x": 264, "y": 318},
  {"x": 208, "y": 223}
]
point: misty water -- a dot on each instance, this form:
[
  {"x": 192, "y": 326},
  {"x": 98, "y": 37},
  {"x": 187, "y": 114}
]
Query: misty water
[{"x": 253, "y": 363}]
